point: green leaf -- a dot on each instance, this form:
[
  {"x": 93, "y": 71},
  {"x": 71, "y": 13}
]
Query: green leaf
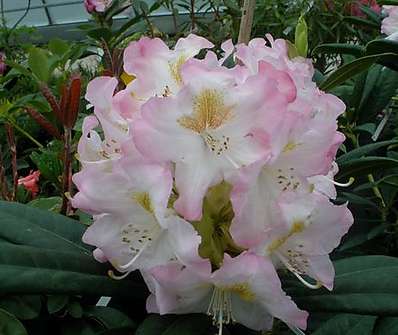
[
  {"x": 56, "y": 303},
  {"x": 301, "y": 37},
  {"x": 75, "y": 310},
  {"x": 58, "y": 47},
  {"x": 347, "y": 324},
  {"x": 45, "y": 250},
  {"x": 363, "y": 151},
  {"x": 361, "y": 22},
  {"x": 109, "y": 318},
  {"x": 24, "y": 307},
  {"x": 365, "y": 165},
  {"x": 370, "y": 13},
  {"x": 29, "y": 226},
  {"x": 59, "y": 272},
  {"x": 100, "y": 33},
  {"x": 191, "y": 324},
  {"x": 77, "y": 327},
  {"x": 388, "y": 2},
  {"x": 381, "y": 46},
  {"x": 9, "y": 324},
  {"x": 388, "y": 325},
  {"x": 50, "y": 204},
  {"x": 349, "y": 70},
  {"x": 381, "y": 85},
  {"x": 39, "y": 63},
  {"x": 339, "y": 48},
  {"x": 363, "y": 285},
  {"x": 154, "y": 324}
]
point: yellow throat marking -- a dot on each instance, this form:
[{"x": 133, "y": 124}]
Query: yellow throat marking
[
  {"x": 143, "y": 199},
  {"x": 297, "y": 227},
  {"x": 209, "y": 112}
]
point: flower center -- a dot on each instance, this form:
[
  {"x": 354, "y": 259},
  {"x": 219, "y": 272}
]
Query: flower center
[{"x": 209, "y": 112}]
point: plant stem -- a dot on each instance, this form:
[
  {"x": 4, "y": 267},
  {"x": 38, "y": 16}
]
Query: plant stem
[
  {"x": 22, "y": 131},
  {"x": 3, "y": 182},
  {"x": 192, "y": 10},
  {"x": 67, "y": 175},
  {"x": 246, "y": 21},
  {"x": 13, "y": 150}
]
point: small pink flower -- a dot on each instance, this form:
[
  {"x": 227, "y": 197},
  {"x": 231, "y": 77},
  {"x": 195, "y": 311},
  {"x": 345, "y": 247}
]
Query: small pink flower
[
  {"x": 97, "y": 6},
  {"x": 30, "y": 182},
  {"x": 3, "y": 65}
]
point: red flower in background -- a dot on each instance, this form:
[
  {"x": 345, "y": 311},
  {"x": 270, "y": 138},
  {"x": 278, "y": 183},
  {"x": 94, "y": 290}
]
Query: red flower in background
[
  {"x": 30, "y": 182},
  {"x": 355, "y": 7}
]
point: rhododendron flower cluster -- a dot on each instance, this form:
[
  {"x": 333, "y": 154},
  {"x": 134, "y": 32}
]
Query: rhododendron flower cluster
[
  {"x": 389, "y": 24},
  {"x": 210, "y": 178}
]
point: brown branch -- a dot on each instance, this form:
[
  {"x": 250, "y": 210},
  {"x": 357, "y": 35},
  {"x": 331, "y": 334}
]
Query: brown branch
[
  {"x": 67, "y": 174},
  {"x": 246, "y": 21},
  {"x": 3, "y": 181},
  {"x": 13, "y": 151}
]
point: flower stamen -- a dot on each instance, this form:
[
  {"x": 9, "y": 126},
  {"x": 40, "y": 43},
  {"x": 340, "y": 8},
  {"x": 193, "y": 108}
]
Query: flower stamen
[{"x": 220, "y": 308}]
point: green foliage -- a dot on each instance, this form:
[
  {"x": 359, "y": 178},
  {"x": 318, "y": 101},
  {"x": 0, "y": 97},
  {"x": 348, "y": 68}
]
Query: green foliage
[
  {"x": 49, "y": 161},
  {"x": 9, "y": 324},
  {"x": 39, "y": 64}
]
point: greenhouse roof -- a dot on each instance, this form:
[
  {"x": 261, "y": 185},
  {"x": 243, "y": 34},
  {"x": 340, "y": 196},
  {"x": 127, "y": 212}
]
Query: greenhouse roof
[{"x": 60, "y": 17}]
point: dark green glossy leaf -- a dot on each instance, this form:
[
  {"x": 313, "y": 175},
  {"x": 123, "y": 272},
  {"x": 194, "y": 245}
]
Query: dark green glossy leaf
[
  {"x": 24, "y": 307},
  {"x": 58, "y": 272},
  {"x": 9, "y": 324},
  {"x": 362, "y": 22},
  {"x": 29, "y": 226},
  {"x": 74, "y": 309},
  {"x": 381, "y": 46},
  {"x": 192, "y": 324},
  {"x": 365, "y": 165},
  {"x": 363, "y": 151},
  {"x": 154, "y": 324},
  {"x": 388, "y": 325},
  {"x": 363, "y": 285},
  {"x": 45, "y": 250},
  {"x": 56, "y": 303},
  {"x": 347, "y": 324},
  {"x": 388, "y": 2},
  {"x": 109, "y": 318},
  {"x": 339, "y": 48},
  {"x": 351, "y": 69},
  {"x": 379, "y": 89}
]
